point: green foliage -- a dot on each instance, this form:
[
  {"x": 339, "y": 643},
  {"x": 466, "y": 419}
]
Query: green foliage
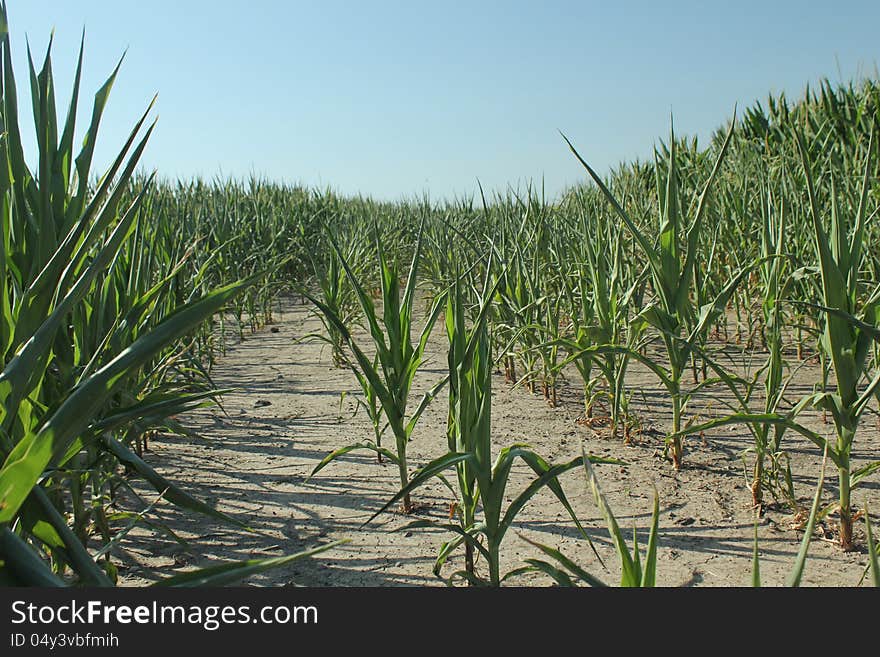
[
  {"x": 635, "y": 572},
  {"x": 390, "y": 374},
  {"x": 95, "y": 346}
]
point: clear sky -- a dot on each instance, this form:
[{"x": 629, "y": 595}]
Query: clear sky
[{"x": 393, "y": 99}]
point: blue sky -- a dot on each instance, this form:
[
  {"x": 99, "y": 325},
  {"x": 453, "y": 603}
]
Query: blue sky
[{"x": 394, "y": 99}]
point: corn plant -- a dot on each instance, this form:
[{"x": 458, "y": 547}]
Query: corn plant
[
  {"x": 519, "y": 304},
  {"x": 846, "y": 342},
  {"x": 481, "y": 482},
  {"x": 338, "y": 295},
  {"x": 86, "y": 344},
  {"x": 391, "y": 374},
  {"x": 850, "y": 328},
  {"x": 599, "y": 307},
  {"x": 775, "y": 284},
  {"x": 674, "y": 314},
  {"x": 580, "y": 311}
]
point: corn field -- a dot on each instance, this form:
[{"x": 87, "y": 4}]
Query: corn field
[{"x": 736, "y": 283}]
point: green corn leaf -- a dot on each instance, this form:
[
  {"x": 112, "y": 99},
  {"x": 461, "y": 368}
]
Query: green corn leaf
[
  {"x": 627, "y": 566},
  {"x": 229, "y": 573},
  {"x": 794, "y": 578},
  {"x": 693, "y": 233},
  {"x": 649, "y": 574},
  {"x": 422, "y": 476},
  {"x": 756, "y": 561},
  {"x": 342, "y": 451},
  {"x": 89, "y": 572},
  {"x": 873, "y": 560},
  {"x": 24, "y": 465},
  {"x": 646, "y": 246},
  {"x": 559, "y": 576},
  {"x": 21, "y": 564},
  {"x": 859, "y": 474},
  {"x": 567, "y": 563},
  {"x": 169, "y": 491},
  {"x": 765, "y": 418}
]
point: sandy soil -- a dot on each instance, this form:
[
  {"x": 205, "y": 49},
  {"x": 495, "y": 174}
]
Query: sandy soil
[{"x": 288, "y": 412}]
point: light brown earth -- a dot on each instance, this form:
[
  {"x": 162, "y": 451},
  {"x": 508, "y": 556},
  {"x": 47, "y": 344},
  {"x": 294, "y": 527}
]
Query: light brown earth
[{"x": 253, "y": 463}]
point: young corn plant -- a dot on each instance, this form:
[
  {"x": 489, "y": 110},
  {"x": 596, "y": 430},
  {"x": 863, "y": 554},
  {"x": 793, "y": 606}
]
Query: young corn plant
[
  {"x": 397, "y": 359},
  {"x": 576, "y": 292},
  {"x": 549, "y": 350},
  {"x": 482, "y": 483},
  {"x": 767, "y": 437},
  {"x": 851, "y": 325},
  {"x": 773, "y": 286},
  {"x": 682, "y": 325},
  {"x": 85, "y": 348},
  {"x": 338, "y": 295},
  {"x": 372, "y": 407},
  {"x": 599, "y": 313},
  {"x": 850, "y": 321},
  {"x": 519, "y": 303}
]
